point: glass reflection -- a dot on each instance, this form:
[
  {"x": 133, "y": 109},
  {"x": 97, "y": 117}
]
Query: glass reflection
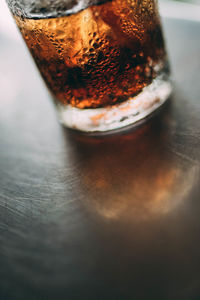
[{"x": 132, "y": 175}]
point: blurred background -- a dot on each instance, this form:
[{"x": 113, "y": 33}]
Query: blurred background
[{"x": 187, "y": 1}]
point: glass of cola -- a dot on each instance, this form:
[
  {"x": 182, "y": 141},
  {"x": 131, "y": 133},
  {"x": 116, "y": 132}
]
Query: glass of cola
[{"x": 104, "y": 61}]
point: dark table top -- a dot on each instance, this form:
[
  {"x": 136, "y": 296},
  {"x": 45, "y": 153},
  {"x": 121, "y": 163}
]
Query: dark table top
[{"x": 105, "y": 218}]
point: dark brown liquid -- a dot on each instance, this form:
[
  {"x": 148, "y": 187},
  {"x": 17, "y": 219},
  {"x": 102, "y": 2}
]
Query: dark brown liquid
[{"x": 102, "y": 55}]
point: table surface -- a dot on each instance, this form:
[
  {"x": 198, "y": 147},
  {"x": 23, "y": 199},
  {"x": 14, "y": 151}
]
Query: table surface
[{"x": 100, "y": 218}]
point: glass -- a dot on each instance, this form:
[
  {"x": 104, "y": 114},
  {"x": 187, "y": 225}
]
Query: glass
[{"x": 104, "y": 62}]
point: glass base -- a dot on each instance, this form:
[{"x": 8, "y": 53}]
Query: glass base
[{"x": 118, "y": 115}]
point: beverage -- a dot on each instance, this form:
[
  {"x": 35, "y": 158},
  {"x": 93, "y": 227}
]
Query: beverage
[{"x": 99, "y": 56}]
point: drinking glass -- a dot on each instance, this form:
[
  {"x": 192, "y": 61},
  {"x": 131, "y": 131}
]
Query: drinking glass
[{"x": 104, "y": 62}]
